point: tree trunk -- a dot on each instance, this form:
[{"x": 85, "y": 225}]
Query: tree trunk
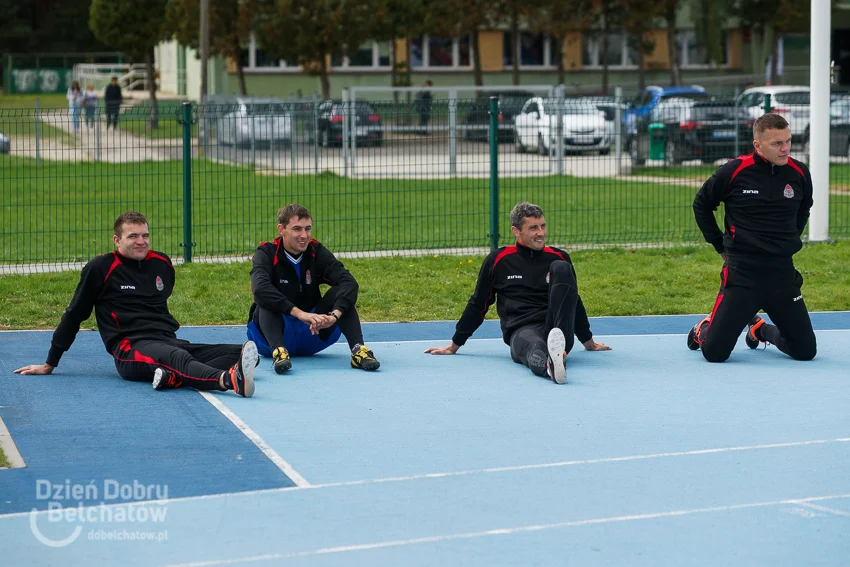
[
  {"x": 675, "y": 79},
  {"x": 561, "y": 75},
  {"x": 394, "y": 70},
  {"x": 605, "y": 59},
  {"x": 641, "y": 57},
  {"x": 324, "y": 80},
  {"x": 515, "y": 43},
  {"x": 768, "y": 42},
  {"x": 476, "y": 60},
  {"x": 150, "y": 72},
  {"x": 407, "y": 70},
  {"x": 240, "y": 71}
]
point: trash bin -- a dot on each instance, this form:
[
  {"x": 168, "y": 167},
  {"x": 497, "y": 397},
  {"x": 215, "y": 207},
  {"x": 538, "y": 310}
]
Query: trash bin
[{"x": 657, "y": 140}]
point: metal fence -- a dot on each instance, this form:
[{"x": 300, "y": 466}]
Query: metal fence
[{"x": 381, "y": 177}]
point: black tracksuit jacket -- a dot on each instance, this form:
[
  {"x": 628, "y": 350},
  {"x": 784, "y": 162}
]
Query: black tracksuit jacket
[
  {"x": 277, "y": 287},
  {"x": 129, "y": 298},
  {"x": 767, "y": 207},
  {"x": 516, "y": 279}
]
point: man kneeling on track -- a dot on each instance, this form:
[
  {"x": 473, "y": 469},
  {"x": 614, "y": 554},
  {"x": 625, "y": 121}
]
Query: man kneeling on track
[
  {"x": 129, "y": 290},
  {"x": 768, "y": 195}
]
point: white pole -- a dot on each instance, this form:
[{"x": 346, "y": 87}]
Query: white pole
[{"x": 819, "y": 81}]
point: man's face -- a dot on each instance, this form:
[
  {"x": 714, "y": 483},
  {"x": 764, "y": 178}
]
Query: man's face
[
  {"x": 532, "y": 234},
  {"x": 296, "y": 234},
  {"x": 134, "y": 242},
  {"x": 774, "y": 145}
]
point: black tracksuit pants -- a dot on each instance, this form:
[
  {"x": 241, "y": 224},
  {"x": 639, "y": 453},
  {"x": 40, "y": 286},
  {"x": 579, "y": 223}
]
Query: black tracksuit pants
[
  {"x": 748, "y": 285},
  {"x": 198, "y": 366},
  {"x": 528, "y": 343}
]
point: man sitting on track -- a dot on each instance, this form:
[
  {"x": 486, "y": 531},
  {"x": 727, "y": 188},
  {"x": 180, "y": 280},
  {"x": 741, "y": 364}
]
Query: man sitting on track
[
  {"x": 536, "y": 294},
  {"x": 129, "y": 290}
]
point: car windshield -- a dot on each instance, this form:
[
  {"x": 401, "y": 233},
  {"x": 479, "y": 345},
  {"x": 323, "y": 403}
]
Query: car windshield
[
  {"x": 265, "y": 109},
  {"x": 792, "y": 98},
  {"x": 570, "y": 107},
  {"x": 717, "y": 112}
]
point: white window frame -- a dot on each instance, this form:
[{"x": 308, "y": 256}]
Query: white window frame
[
  {"x": 596, "y": 51},
  {"x": 376, "y": 61},
  {"x": 682, "y": 51},
  {"x": 455, "y": 66},
  {"x": 547, "y": 53}
]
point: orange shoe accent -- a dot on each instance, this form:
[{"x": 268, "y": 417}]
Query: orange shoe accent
[{"x": 752, "y": 330}]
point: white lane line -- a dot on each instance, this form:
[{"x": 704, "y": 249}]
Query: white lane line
[
  {"x": 506, "y": 531},
  {"x": 449, "y": 474},
  {"x": 826, "y": 509},
  {"x": 279, "y": 462}
]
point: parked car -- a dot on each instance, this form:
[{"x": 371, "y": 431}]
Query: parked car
[
  {"x": 584, "y": 127},
  {"x": 5, "y": 144},
  {"x": 257, "y": 120},
  {"x": 839, "y": 129},
  {"x": 365, "y": 124},
  {"x": 651, "y": 97},
  {"x": 790, "y": 102},
  {"x": 694, "y": 129},
  {"x": 607, "y": 105},
  {"x": 477, "y": 120}
]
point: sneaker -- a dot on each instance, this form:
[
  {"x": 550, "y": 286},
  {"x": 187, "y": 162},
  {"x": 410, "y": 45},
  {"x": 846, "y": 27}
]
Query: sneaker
[
  {"x": 694, "y": 335},
  {"x": 750, "y": 338},
  {"x": 282, "y": 362},
  {"x": 362, "y": 357},
  {"x": 165, "y": 380},
  {"x": 556, "y": 365},
  {"x": 241, "y": 374}
]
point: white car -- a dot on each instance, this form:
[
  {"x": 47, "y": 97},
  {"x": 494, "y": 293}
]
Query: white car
[
  {"x": 255, "y": 121},
  {"x": 790, "y": 102},
  {"x": 584, "y": 126}
]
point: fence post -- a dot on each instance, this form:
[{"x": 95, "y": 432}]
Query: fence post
[
  {"x": 737, "y": 121},
  {"x": 560, "y": 103},
  {"x": 186, "y": 121},
  {"x": 453, "y": 132},
  {"x": 767, "y": 103},
  {"x": 37, "y": 134},
  {"x": 494, "y": 173},
  {"x": 346, "y": 124},
  {"x": 315, "y": 127},
  {"x": 618, "y": 128}
]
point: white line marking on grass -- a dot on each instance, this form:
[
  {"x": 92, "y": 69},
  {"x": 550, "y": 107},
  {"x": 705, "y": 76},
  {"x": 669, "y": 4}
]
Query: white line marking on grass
[
  {"x": 826, "y": 509},
  {"x": 279, "y": 462},
  {"x": 449, "y": 474},
  {"x": 507, "y": 531}
]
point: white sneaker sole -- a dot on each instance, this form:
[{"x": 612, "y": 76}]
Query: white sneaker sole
[
  {"x": 157, "y": 378},
  {"x": 556, "y": 343},
  {"x": 249, "y": 363}
]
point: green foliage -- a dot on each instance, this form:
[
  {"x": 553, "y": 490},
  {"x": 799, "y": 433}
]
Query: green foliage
[{"x": 133, "y": 27}]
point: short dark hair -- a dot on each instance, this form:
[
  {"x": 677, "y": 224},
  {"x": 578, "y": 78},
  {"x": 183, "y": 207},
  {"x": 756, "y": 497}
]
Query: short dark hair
[
  {"x": 523, "y": 210},
  {"x": 287, "y": 213},
  {"x": 130, "y": 217},
  {"x": 769, "y": 121}
]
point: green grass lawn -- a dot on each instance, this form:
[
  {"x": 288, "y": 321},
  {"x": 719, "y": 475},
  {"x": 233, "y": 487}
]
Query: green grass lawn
[
  {"x": 640, "y": 281},
  {"x": 18, "y": 115}
]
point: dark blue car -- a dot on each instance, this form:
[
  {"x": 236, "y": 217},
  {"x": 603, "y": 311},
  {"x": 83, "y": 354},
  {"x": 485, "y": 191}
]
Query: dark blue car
[{"x": 650, "y": 97}]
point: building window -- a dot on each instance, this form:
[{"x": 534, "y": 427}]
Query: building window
[
  {"x": 621, "y": 52},
  {"x": 534, "y": 50},
  {"x": 252, "y": 57},
  {"x": 691, "y": 54},
  {"x": 369, "y": 55},
  {"x": 439, "y": 52}
]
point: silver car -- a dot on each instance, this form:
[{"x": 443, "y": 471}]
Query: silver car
[{"x": 257, "y": 121}]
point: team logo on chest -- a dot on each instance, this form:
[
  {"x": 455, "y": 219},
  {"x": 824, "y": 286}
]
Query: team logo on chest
[
  {"x": 159, "y": 285},
  {"x": 308, "y": 278},
  {"x": 789, "y": 192}
]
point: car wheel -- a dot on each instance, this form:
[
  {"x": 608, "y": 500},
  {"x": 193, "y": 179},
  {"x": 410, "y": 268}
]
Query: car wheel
[
  {"x": 326, "y": 139},
  {"x": 605, "y": 152},
  {"x": 541, "y": 147},
  {"x": 520, "y": 149}
]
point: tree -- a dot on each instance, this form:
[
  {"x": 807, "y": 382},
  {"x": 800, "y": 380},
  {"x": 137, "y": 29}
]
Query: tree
[
  {"x": 399, "y": 19},
  {"x": 448, "y": 18},
  {"x": 230, "y": 25},
  {"x": 15, "y": 30},
  {"x": 638, "y": 18},
  {"x": 709, "y": 20},
  {"x": 311, "y": 30},
  {"x": 558, "y": 19},
  {"x": 513, "y": 12},
  {"x": 133, "y": 27}
]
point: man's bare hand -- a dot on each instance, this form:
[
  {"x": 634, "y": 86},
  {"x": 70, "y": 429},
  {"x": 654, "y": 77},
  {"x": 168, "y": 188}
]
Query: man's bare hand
[
  {"x": 35, "y": 369},
  {"x": 450, "y": 349},
  {"x": 593, "y": 345}
]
